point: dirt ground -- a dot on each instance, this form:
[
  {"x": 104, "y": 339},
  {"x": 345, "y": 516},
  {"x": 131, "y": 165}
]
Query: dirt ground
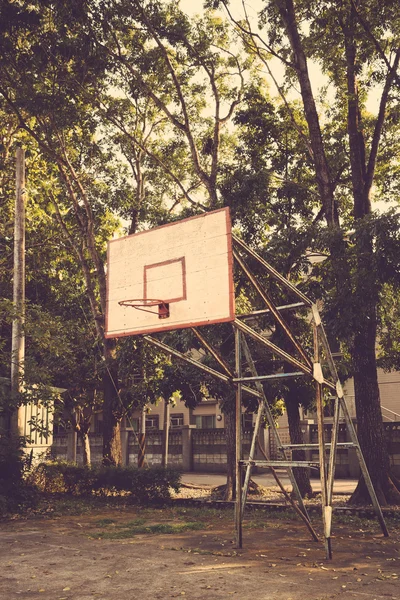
[{"x": 98, "y": 555}]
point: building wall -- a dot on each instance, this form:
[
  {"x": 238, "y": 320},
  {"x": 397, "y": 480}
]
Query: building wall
[
  {"x": 205, "y": 408},
  {"x": 389, "y": 389},
  {"x": 199, "y": 450},
  {"x": 189, "y": 449}
]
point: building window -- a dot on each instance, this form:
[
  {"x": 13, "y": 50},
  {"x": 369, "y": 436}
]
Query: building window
[
  {"x": 177, "y": 420},
  {"x": 134, "y": 423},
  {"x": 205, "y": 421},
  {"x": 151, "y": 422},
  {"x": 247, "y": 421}
]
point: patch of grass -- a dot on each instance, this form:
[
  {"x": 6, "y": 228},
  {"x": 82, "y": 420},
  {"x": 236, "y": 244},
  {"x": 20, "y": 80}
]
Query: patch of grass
[
  {"x": 203, "y": 513},
  {"x": 133, "y": 523},
  {"x": 159, "y": 528},
  {"x": 105, "y": 522}
]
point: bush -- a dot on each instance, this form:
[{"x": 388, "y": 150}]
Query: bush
[
  {"x": 142, "y": 485},
  {"x": 137, "y": 485},
  {"x": 15, "y": 492},
  {"x": 64, "y": 478}
]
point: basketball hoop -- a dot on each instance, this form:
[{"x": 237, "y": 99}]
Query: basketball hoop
[{"x": 144, "y": 303}]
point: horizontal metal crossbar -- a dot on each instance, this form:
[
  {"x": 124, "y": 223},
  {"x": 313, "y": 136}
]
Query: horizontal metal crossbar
[
  {"x": 264, "y": 311},
  {"x": 279, "y": 463},
  {"x": 316, "y": 446},
  {"x": 263, "y": 377}
]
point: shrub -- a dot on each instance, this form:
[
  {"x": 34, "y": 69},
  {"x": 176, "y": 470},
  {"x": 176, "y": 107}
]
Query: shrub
[
  {"x": 141, "y": 485},
  {"x": 15, "y": 492},
  {"x": 64, "y": 478},
  {"x": 137, "y": 485}
]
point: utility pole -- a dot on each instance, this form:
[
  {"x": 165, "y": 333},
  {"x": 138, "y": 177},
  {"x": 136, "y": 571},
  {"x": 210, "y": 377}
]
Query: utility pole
[{"x": 18, "y": 336}]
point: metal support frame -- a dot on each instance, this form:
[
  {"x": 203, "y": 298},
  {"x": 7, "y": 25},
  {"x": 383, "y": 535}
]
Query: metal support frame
[
  {"x": 306, "y": 366},
  {"x": 238, "y": 503}
]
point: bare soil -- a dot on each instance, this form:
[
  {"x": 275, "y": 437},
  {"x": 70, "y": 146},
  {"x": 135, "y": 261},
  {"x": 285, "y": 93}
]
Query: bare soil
[{"x": 101, "y": 554}]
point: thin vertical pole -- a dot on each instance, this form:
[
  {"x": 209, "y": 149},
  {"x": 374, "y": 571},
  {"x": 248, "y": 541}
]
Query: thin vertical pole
[
  {"x": 18, "y": 338},
  {"x": 142, "y": 439},
  {"x": 349, "y": 423},
  {"x": 271, "y": 423},
  {"x": 363, "y": 466},
  {"x": 164, "y": 458},
  {"x": 252, "y": 452},
  {"x": 333, "y": 449},
  {"x": 326, "y": 509},
  {"x": 238, "y": 503}
]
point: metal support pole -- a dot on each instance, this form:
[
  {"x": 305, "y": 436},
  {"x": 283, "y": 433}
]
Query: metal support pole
[
  {"x": 266, "y": 299},
  {"x": 265, "y": 311},
  {"x": 252, "y": 454},
  {"x": 326, "y": 508},
  {"x": 142, "y": 439},
  {"x": 333, "y": 449},
  {"x": 285, "y": 283},
  {"x": 196, "y": 363},
  {"x": 165, "y": 441},
  {"x": 363, "y": 467},
  {"x": 271, "y": 423},
  {"x": 349, "y": 423},
  {"x": 265, "y": 377},
  {"x": 212, "y": 351},
  {"x": 238, "y": 503},
  {"x": 273, "y": 347}
]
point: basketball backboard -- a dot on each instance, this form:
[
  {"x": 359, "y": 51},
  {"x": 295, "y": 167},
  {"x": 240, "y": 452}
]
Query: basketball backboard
[{"x": 171, "y": 277}]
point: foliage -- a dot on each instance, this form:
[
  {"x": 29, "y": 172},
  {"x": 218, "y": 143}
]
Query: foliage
[
  {"x": 16, "y": 494},
  {"x": 138, "y": 485}
]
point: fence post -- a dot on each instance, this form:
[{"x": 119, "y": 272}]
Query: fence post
[
  {"x": 72, "y": 438},
  {"x": 125, "y": 446},
  {"x": 305, "y": 430},
  {"x": 187, "y": 448}
]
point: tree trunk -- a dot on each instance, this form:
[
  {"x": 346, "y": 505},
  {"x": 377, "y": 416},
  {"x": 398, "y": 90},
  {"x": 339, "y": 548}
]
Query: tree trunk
[
  {"x": 86, "y": 457},
  {"x": 371, "y": 433},
  {"x": 287, "y": 12},
  {"x": 112, "y": 415},
  {"x": 112, "y": 449},
  {"x": 230, "y": 434},
  {"x": 302, "y": 475},
  {"x": 370, "y": 428}
]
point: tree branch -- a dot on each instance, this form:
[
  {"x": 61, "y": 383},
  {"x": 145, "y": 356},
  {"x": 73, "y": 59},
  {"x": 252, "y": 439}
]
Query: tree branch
[
  {"x": 379, "y": 123},
  {"x": 375, "y": 42}
]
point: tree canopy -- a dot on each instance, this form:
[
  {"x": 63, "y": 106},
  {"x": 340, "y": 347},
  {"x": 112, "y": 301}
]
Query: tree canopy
[{"x": 136, "y": 114}]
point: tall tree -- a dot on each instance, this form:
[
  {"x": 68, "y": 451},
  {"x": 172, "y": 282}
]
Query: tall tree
[
  {"x": 184, "y": 71},
  {"x": 46, "y": 61},
  {"x": 354, "y": 45}
]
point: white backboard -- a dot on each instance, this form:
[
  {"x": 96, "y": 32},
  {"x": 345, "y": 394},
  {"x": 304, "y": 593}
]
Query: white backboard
[{"x": 186, "y": 264}]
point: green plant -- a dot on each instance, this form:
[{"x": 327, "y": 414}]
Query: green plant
[
  {"x": 64, "y": 477},
  {"x": 15, "y": 492},
  {"x": 129, "y": 530},
  {"x": 136, "y": 485}
]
